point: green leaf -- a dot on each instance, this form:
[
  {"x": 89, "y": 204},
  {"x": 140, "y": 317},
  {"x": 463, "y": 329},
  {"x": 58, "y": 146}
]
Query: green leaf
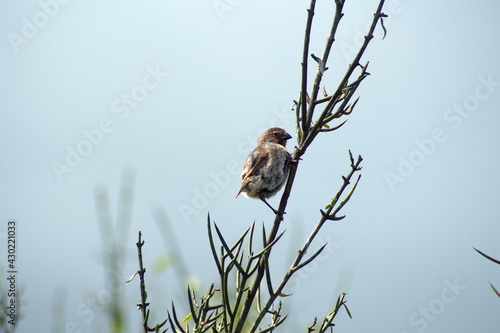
[{"x": 189, "y": 315}]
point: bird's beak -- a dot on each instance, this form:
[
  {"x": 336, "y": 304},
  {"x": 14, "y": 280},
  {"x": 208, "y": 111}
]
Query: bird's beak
[{"x": 286, "y": 136}]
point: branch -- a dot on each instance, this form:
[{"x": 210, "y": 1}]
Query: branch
[
  {"x": 487, "y": 256},
  {"x": 322, "y": 61},
  {"x": 142, "y": 304},
  {"x": 305, "y": 53},
  {"x": 378, "y": 15},
  {"x": 328, "y": 321}
]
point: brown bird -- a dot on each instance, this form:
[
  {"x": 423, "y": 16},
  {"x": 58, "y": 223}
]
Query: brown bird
[{"x": 266, "y": 168}]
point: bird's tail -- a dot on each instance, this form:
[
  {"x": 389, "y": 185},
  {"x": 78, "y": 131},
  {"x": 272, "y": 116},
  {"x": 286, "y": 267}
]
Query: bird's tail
[{"x": 241, "y": 188}]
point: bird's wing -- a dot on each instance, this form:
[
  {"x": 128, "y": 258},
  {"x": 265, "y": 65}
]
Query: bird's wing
[{"x": 253, "y": 163}]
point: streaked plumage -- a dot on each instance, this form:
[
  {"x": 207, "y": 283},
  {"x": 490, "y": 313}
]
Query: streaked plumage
[{"x": 266, "y": 169}]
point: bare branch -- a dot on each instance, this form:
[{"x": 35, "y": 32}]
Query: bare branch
[
  {"x": 343, "y": 83},
  {"x": 310, "y": 259},
  {"x": 298, "y": 263},
  {"x": 305, "y": 52},
  {"x": 329, "y": 129},
  {"x": 142, "y": 304},
  {"x": 322, "y": 62}
]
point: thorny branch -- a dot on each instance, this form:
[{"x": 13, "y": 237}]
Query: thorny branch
[
  {"x": 142, "y": 305},
  {"x": 298, "y": 262}
]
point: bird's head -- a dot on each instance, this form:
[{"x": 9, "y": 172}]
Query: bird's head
[{"x": 275, "y": 135}]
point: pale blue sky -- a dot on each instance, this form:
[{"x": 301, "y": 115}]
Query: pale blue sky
[{"x": 176, "y": 93}]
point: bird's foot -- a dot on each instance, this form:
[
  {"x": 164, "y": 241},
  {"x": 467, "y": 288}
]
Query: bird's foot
[
  {"x": 295, "y": 160},
  {"x": 268, "y": 205},
  {"x": 277, "y": 212}
]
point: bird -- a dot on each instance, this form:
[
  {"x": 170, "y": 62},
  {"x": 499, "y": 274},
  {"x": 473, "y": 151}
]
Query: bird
[{"x": 266, "y": 169}]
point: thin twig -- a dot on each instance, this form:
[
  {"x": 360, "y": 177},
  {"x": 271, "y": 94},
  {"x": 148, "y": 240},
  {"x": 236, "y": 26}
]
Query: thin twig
[
  {"x": 323, "y": 61},
  {"x": 355, "y": 63},
  {"x": 142, "y": 305},
  {"x": 487, "y": 256},
  {"x": 305, "y": 55}
]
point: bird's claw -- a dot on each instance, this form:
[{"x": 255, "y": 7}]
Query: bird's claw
[{"x": 277, "y": 212}]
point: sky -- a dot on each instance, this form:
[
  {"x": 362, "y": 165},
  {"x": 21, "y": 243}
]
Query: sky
[{"x": 124, "y": 116}]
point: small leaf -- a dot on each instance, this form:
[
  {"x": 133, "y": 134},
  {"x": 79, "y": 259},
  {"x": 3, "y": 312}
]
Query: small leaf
[
  {"x": 131, "y": 278},
  {"x": 284, "y": 295},
  {"x": 348, "y": 312},
  {"x": 189, "y": 315},
  {"x": 382, "y": 15}
]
